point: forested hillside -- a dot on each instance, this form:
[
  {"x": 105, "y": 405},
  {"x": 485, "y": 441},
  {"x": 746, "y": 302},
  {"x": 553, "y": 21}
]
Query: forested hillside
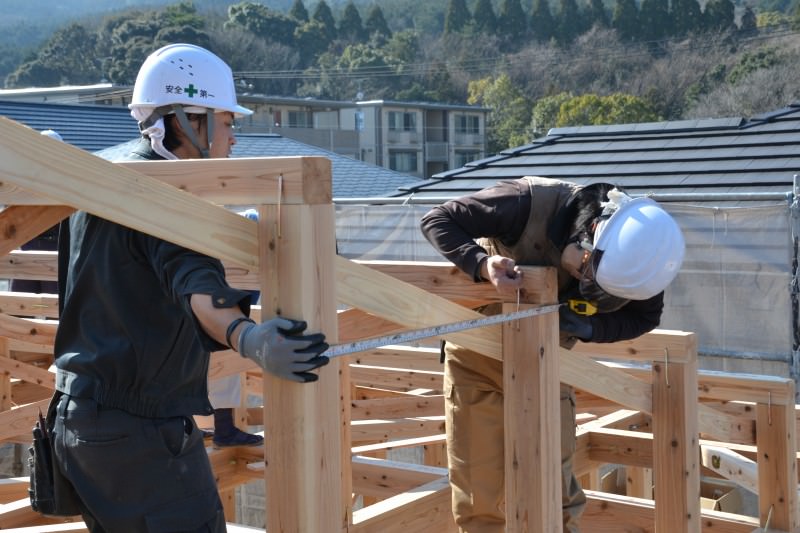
[{"x": 537, "y": 63}]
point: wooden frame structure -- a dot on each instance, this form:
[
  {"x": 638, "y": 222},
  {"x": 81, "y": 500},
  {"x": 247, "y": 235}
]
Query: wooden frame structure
[{"x": 327, "y": 442}]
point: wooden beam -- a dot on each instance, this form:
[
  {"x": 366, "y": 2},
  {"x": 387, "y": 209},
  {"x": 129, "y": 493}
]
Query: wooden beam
[
  {"x": 618, "y": 446},
  {"x": 29, "y": 373},
  {"x": 424, "y": 508},
  {"x": 730, "y": 465},
  {"x": 398, "y": 444},
  {"x": 20, "y": 224},
  {"x": 403, "y": 303},
  {"x": 27, "y": 330},
  {"x": 285, "y": 180},
  {"x": 387, "y": 430},
  {"x": 76, "y": 527},
  {"x": 19, "y": 420},
  {"x": 408, "y": 406},
  {"x": 675, "y": 440},
  {"x": 28, "y": 304},
  {"x": 777, "y": 467},
  {"x": 647, "y": 348},
  {"x": 584, "y": 373},
  {"x": 355, "y": 324},
  {"x": 117, "y": 193},
  {"x": 610, "y": 513},
  {"x": 398, "y": 356},
  {"x": 13, "y": 488},
  {"x": 382, "y": 478},
  {"x": 395, "y": 378},
  {"x": 308, "y": 469},
  {"x": 448, "y": 281},
  {"x": 771, "y": 390},
  {"x": 532, "y": 427}
]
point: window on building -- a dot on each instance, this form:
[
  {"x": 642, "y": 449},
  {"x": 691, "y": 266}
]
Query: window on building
[
  {"x": 300, "y": 119},
  {"x": 402, "y": 121},
  {"x": 468, "y": 124},
  {"x": 403, "y": 161},
  {"x": 462, "y": 157}
]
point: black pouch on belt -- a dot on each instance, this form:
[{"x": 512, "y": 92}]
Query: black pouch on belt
[{"x": 50, "y": 492}]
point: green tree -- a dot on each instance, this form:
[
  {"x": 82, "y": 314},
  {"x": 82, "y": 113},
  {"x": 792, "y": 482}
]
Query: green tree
[
  {"x": 324, "y": 15},
  {"x": 542, "y": 22},
  {"x": 654, "y": 20},
  {"x": 545, "y": 113},
  {"x": 376, "y": 23},
  {"x": 182, "y": 14},
  {"x": 403, "y": 47},
  {"x": 310, "y": 42},
  {"x": 183, "y": 34},
  {"x": 299, "y": 12},
  {"x": 686, "y": 17},
  {"x": 68, "y": 57},
  {"x": 767, "y": 19},
  {"x": 748, "y": 22},
  {"x": 456, "y": 17},
  {"x": 625, "y": 20},
  {"x": 343, "y": 75},
  {"x": 594, "y": 110},
  {"x": 262, "y": 21},
  {"x": 568, "y": 24},
  {"x": 596, "y": 14},
  {"x": 512, "y": 20},
  {"x": 507, "y": 125},
  {"x": 763, "y": 58},
  {"x": 484, "y": 18},
  {"x": 719, "y": 15},
  {"x": 351, "y": 27}
]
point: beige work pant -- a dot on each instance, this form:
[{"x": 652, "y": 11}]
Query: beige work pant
[{"x": 473, "y": 393}]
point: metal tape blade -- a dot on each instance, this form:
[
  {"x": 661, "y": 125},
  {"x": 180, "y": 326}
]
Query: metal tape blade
[{"x": 435, "y": 331}]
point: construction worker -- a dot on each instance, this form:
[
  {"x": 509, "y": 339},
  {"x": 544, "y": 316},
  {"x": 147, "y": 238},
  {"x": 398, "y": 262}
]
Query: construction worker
[
  {"x": 612, "y": 253},
  {"x": 138, "y": 319}
]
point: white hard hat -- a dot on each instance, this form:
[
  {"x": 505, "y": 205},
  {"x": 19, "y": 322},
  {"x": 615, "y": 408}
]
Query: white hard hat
[
  {"x": 52, "y": 134},
  {"x": 638, "y": 250},
  {"x": 188, "y": 75}
]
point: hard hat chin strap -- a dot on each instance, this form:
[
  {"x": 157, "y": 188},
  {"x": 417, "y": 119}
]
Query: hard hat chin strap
[
  {"x": 162, "y": 111},
  {"x": 187, "y": 128}
]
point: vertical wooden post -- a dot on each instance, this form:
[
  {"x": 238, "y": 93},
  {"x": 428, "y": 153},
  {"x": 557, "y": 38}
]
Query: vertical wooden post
[
  {"x": 6, "y": 402},
  {"x": 532, "y": 427},
  {"x": 639, "y": 482},
  {"x": 308, "y": 482},
  {"x": 777, "y": 467},
  {"x": 676, "y": 473}
]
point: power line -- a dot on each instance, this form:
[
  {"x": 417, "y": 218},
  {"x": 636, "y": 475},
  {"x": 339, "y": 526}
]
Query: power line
[{"x": 490, "y": 64}]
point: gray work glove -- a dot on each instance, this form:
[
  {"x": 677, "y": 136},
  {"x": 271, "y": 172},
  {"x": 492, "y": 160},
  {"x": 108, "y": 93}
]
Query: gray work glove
[
  {"x": 277, "y": 346},
  {"x": 573, "y": 324}
]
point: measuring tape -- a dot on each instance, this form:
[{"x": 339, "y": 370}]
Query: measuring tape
[{"x": 434, "y": 331}]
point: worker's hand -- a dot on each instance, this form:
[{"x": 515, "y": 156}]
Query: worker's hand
[
  {"x": 573, "y": 324},
  {"x": 503, "y": 273},
  {"x": 278, "y": 347}
]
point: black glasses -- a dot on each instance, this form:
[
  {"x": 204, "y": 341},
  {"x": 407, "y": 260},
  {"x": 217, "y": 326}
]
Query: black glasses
[{"x": 604, "y": 302}]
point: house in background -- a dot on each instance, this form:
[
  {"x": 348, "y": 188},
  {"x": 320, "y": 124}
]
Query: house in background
[
  {"x": 90, "y": 127},
  {"x": 410, "y": 137}
]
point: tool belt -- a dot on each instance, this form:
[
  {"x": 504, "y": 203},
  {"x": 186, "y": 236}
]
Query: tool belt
[{"x": 51, "y": 494}]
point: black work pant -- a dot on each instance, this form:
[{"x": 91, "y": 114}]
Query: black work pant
[{"x": 135, "y": 474}]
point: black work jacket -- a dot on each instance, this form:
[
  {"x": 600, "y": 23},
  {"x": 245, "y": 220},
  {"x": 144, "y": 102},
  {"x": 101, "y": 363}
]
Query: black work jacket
[
  {"x": 127, "y": 336},
  {"x": 501, "y": 213}
]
